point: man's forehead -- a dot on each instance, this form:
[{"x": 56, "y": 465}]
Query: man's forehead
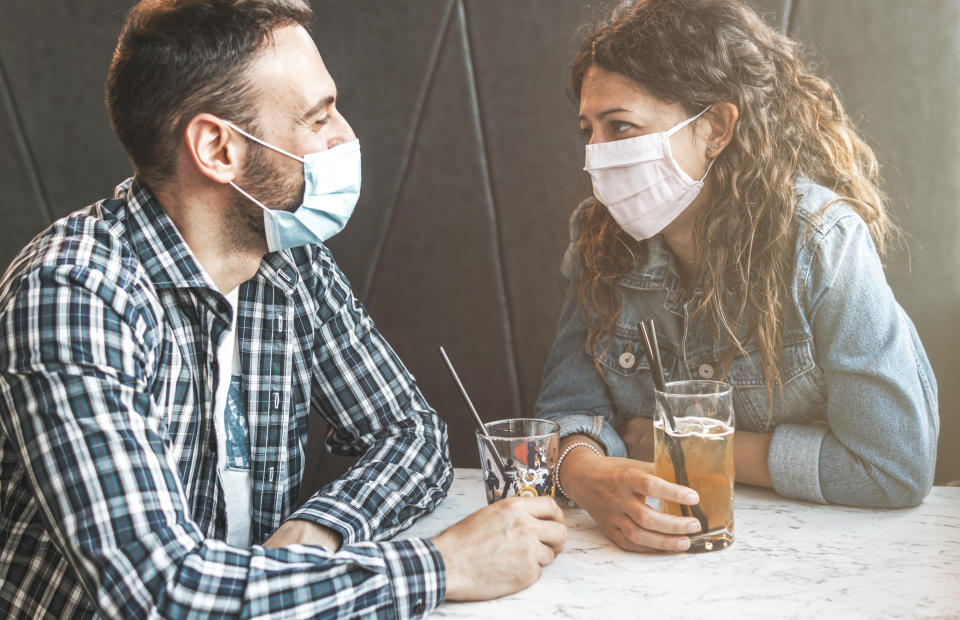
[{"x": 290, "y": 72}]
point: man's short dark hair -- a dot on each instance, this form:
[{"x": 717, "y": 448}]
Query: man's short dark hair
[{"x": 179, "y": 58}]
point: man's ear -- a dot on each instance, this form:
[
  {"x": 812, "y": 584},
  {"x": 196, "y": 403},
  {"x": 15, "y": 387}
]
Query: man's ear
[
  {"x": 722, "y": 117},
  {"x": 214, "y": 148}
]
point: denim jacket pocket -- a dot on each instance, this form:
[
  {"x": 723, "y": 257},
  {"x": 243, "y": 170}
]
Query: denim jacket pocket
[
  {"x": 803, "y": 399},
  {"x": 626, "y": 370}
]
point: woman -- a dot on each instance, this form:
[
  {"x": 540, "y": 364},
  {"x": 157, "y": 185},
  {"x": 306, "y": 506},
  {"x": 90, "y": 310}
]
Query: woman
[{"x": 737, "y": 207}]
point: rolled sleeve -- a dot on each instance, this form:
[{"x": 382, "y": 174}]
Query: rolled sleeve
[
  {"x": 416, "y": 572},
  {"x": 594, "y": 426},
  {"x": 375, "y": 411},
  {"x": 340, "y": 516},
  {"x": 573, "y": 393},
  {"x": 794, "y": 461},
  {"x": 880, "y": 447}
]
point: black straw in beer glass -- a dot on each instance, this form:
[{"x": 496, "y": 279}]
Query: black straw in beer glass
[{"x": 649, "y": 334}]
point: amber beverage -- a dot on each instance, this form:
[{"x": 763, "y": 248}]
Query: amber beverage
[{"x": 698, "y": 444}]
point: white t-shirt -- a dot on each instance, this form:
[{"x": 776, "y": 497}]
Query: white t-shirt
[{"x": 233, "y": 436}]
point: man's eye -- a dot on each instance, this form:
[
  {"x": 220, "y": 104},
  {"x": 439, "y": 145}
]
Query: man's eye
[{"x": 320, "y": 122}]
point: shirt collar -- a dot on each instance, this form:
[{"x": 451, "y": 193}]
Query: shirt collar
[{"x": 165, "y": 255}]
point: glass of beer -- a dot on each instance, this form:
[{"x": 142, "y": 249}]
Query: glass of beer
[
  {"x": 519, "y": 458},
  {"x": 693, "y": 446}
]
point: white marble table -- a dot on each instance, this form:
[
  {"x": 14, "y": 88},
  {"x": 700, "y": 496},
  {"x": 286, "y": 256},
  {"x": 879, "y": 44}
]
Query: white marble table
[{"x": 791, "y": 559}]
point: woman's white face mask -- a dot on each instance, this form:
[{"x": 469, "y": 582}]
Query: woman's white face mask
[{"x": 640, "y": 182}]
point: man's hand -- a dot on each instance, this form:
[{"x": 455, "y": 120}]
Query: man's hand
[
  {"x": 303, "y": 532},
  {"x": 637, "y": 434},
  {"x": 501, "y": 549}
]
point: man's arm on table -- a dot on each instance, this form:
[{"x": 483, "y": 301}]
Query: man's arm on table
[
  {"x": 376, "y": 411},
  {"x": 79, "y": 412}
]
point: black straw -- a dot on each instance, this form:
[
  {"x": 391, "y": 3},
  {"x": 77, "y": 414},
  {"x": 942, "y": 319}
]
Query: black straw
[
  {"x": 649, "y": 334},
  {"x": 481, "y": 427}
]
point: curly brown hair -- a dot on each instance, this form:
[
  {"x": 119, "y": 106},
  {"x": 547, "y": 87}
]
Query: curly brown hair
[{"x": 791, "y": 122}]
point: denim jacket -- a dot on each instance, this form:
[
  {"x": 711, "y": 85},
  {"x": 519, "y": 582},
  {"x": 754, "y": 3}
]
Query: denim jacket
[{"x": 856, "y": 422}]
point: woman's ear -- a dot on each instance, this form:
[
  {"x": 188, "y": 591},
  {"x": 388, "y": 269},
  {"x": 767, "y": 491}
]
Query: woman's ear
[
  {"x": 721, "y": 119},
  {"x": 214, "y": 149}
]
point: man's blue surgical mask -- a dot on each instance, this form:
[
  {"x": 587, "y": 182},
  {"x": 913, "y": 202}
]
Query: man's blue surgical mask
[{"x": 331, "y": 189}]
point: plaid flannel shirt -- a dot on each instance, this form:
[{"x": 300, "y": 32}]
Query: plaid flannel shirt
[{"x": 109, "y": 494}]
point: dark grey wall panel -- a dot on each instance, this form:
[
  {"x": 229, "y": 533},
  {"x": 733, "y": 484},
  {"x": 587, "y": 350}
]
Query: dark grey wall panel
[
  {"x": 521, "y": 56},
  {"x": 438, "y": 282},
  {"x": 895, "y": 64},
  {"x": 56, "y": 56},
  {"x": 472, "y": 164},
  {"x": 25, "y": 210},
  {"x": 382, "y": 56}
]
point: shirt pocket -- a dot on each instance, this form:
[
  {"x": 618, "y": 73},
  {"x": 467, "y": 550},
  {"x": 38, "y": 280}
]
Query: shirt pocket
[
  {"x": 803, "y": 398},
  {"x": 626, "y": 371}
]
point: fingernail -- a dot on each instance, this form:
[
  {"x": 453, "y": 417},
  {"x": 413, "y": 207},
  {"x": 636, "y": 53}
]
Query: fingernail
[
  {"x": 692, "y": 498},
  {"x": 683, "y": 544},
  {"x": 693, "y": 526}
]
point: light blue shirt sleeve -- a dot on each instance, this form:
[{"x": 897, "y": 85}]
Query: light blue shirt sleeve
[
  {"x": 573, "y": 393},
  {"x": 879, "y": 445}
]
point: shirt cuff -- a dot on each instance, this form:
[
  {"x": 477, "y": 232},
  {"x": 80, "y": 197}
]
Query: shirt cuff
[
  {"x": 341, "y": 517},
  {"x": 794, "y": 461},
  {"x": 416, "y": 572},
  {"x": 593, "y": 425}
]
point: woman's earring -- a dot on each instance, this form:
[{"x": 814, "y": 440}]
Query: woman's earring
[{"x": 712, "y": 148}]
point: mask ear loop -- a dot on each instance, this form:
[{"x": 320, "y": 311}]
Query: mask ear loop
[
  {"x": 272, "y": 147},
  {"x": 675, "y": 128},
  {"x": 252, "y": 199}
]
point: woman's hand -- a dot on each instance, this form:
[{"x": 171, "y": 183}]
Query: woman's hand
[
  {"x": 637, "y": 434},
  {"x": 613, "y": 491}
]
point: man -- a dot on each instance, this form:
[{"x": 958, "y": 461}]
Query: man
[{"x": 160, "y": 350}]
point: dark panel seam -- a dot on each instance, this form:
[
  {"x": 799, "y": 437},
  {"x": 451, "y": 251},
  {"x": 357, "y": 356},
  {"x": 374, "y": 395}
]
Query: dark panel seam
[
  {"x": 407, "y": 160},
  {"x": 20, "y": 136},
  {"x": 492, "y": 208},
  {"x": 791, "y": 16}
]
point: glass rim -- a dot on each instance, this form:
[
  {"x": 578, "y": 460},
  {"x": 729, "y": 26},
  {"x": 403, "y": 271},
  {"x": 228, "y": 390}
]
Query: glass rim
[
  {"x": 491, "y": 435},
  {"x": 723, "y": 388}
]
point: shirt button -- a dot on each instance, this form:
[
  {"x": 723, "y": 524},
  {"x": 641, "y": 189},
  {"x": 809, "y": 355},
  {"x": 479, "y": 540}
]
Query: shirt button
[
  {"x": 627, "y": 360},
  {"x": 705, "y": 371}
]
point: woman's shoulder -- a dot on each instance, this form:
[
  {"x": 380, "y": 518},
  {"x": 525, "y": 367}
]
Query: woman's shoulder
[
  {"x": 579, "y": 217},
  {"x": 820, "y": 209}
]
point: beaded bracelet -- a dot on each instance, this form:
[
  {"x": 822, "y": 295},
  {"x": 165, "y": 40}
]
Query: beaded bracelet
[{"x": 566, "y": 451}]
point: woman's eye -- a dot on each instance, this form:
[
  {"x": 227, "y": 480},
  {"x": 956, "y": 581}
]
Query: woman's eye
[
  {"x": 621, "y": 126},
  {"x": 585, "y": 133}
]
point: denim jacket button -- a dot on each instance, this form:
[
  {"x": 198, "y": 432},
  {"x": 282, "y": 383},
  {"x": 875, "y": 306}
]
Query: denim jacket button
[
  {"x": 627, "y": 360},
  {"x": 705, "y": 371}
]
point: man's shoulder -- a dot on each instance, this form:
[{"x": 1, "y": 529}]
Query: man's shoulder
[{"x": 88, "y": 248}]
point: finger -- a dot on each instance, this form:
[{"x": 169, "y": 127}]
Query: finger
[
  {"x": 543, "y": 508},
  {"x": 653, "y": 540},
  {"x": 654, "y": 486},
  {"x": 648, "y": 518},
  {"x": 553, "y": 534},
  {"x": 546, "y": 555}
]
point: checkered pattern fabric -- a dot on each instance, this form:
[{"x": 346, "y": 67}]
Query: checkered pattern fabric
[{"x": 109, "y": 497}]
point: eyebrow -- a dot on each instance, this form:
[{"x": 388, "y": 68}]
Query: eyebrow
[
  {"x": 606, "y": 113},
  {"x": 320, "y": 105}
]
